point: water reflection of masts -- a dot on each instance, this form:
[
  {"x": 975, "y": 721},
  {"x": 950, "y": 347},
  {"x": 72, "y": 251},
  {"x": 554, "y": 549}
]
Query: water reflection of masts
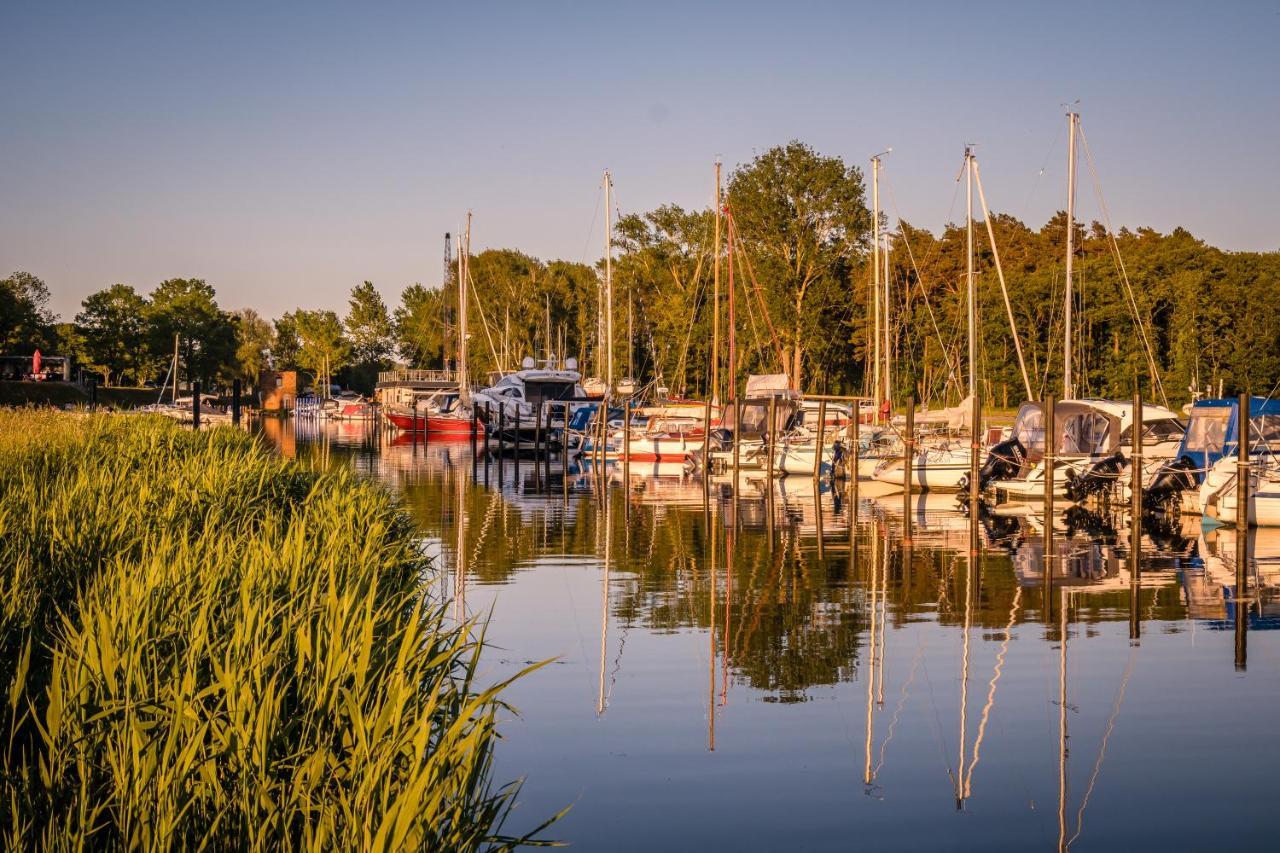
[
  {"x": 1062, "y": 724},
  {"x": 970, "y": 568},
  {"x": 711, "y": 634},
  {"x": 460, "y": 567},
  {"x": 879, "y": 589},
  {"x": 604, "y": 595}
]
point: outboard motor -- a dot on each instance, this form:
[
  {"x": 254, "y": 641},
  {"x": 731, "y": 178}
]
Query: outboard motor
[
  {"x": 1004, "y": 461},
  {"x": 1176, "y": 476},
  {"x": 1097, "y": 478}
]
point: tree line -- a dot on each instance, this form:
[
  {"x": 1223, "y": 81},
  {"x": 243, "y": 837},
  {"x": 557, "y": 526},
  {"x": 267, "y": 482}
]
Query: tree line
[{"x": 1157, "y": 312}]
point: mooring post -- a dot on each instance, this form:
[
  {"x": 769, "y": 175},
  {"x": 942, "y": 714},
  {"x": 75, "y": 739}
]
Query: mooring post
[
  {"x": 626, "y": 442},
  {"x": 564, "y": 444},
  {"x": 706, "y": 450},
  {"x": 908, "y": 467},
  {"x": 93, "y": 395},
  {"x": 737, "y": 446},
  {"x": 235, "y": 402},
  {"x": 818, "y": 448},
  {"x": 1050, "y": 461},
  {"x": 195, "y": 405},
  {"x": 1136, "y": 484},
  {"x": 769, "y": 442},
  {"x": 853, "y": 432},
  {"x": 1242, "y": 499},
  {"x": 975, "y": 452}
]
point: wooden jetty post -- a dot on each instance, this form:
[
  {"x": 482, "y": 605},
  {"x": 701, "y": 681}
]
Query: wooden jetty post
[
  {"x": 975, "y": 451},
  {"x": 737, "y": 445},
  {"x": 235, "y": 402},
  {"x": 1242, "y": 500},
  {"x": 195, "y": 405},
  {"x": 769, "y": 441},
  {"x": 853, "y": 433},
  {"x": 908, "y": 467},
  {"x": 706, "y": 444},
  {"x": 1050, "y": 449},
  {"x": 818, "y": 448},
  {"x": 626, "y": 442},
  {"x": 1136, "y": 482}
]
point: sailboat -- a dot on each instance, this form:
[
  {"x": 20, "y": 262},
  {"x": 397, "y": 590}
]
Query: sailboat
[
  {"x": 947, "y": 467},
  {"x": 446, "y": 414}
]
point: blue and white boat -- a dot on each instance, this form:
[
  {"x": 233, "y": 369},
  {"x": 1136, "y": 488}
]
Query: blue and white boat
[{"x": 1203, "y": 469}]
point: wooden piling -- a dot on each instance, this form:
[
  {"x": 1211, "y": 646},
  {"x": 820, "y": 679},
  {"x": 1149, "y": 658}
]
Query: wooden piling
[
  {"x": 1136, "y": 484},
  {"x": 975, "y": 451},
  {"x": 818, "y": 448},
  {"x": 1242, "y": 500},
  {"x": 626, "y": 443},
  {"x": 1050, "y": 449},
  {"x": 737, "y": 446},
  {"x": 195, "y": 405},
  {"x": 908, "y": 467},
  {"x": 706, "y": 448},
  {"x": 768, "y": 443},
  {"x": 235, "y": 402}
]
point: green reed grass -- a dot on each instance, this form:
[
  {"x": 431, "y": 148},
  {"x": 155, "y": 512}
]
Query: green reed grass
[{"x": 205, "y": 646}]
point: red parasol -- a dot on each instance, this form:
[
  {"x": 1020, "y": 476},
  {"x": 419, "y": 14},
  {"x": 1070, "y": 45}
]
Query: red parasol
[{"x": 35, "y": 363}]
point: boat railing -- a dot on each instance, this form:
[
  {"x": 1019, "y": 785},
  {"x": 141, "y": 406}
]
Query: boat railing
[{"x": 388, "y": 377}]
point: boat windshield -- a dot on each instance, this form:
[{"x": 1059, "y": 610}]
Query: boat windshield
[
  {"x": 1265, "y": 429},
  {"x": 1207, "y": 431},
  {"x": 1084, "y": 434},
  {"x": 539, "y": 391},
  {"x": 1028, "y": 429}
]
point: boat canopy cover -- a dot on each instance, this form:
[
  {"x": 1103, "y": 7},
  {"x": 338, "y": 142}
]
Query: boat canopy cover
[
  {"x": 1213, "y": 432},
  {"x": 956, "y": 418},
  {"x": 768, "y": 385},
  {"x": 1080, "y": 428}
]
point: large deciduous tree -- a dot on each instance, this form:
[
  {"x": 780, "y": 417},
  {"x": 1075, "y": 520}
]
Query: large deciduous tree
[
  {"x": 802, "y": 221},
  {"x": 26, "y": 323},
  {"x": 369, "y": 326},
  {"x": 254, "y": 339},
  {"x": 188, "y": 309},
  {"x": 113, "y": 329}
]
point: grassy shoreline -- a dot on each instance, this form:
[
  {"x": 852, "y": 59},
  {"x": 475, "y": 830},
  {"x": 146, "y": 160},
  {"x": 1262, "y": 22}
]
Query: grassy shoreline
[{"x": 206, "y": 645}]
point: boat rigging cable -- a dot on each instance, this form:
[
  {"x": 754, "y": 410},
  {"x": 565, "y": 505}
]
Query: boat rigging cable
[
  {"x": 755, "y": 285},
  {"x": 953, "y": 369},
  {"x": 1120, "y": 268}
]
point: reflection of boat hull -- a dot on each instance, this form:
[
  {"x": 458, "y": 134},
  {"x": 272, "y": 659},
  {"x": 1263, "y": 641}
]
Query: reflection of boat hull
[{"x": 442, "y": 425}]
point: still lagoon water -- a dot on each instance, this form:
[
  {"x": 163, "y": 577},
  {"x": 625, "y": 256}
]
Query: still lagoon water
[{"x": 781, "y": 673}]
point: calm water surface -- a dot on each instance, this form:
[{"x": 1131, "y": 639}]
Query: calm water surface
[{"x": 780, "y": 674}]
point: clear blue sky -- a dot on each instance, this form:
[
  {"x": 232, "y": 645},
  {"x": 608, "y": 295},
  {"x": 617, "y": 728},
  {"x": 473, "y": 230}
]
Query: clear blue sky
[{"x": 287, "y": 153}]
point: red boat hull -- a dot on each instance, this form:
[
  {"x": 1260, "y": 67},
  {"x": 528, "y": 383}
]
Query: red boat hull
[{"x": 441, "y": 425}]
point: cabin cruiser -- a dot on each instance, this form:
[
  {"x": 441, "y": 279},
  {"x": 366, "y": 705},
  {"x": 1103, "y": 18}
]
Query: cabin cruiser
[
  {"x": 514, "y": 409},
  {"x": 763, "y": 392},
  {"x": 440, "y": 413},
  {"x": 347, "y": 406},
  {"x": 661, "y": 433},
  {"x": 1093, "y": 441},
  {"x": 1205, "y": 463}
]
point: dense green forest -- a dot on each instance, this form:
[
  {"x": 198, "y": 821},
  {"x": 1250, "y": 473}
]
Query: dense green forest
[{"x": 796, "y": 233}]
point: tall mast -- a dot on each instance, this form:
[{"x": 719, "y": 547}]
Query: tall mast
[
  {"x": 1068, "y": 383},
  {"x": 875, "y": 286},
  {"x": 969, "y": 283},
  {"x": 714, "y": 392},
  {"x": 608, "y": 279},
  {"x": 888, "y": 350},
  {"x": 733, "y": 326},
  {"x": 463, "y": 272},
  {"x": 450, "y": 322}
]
